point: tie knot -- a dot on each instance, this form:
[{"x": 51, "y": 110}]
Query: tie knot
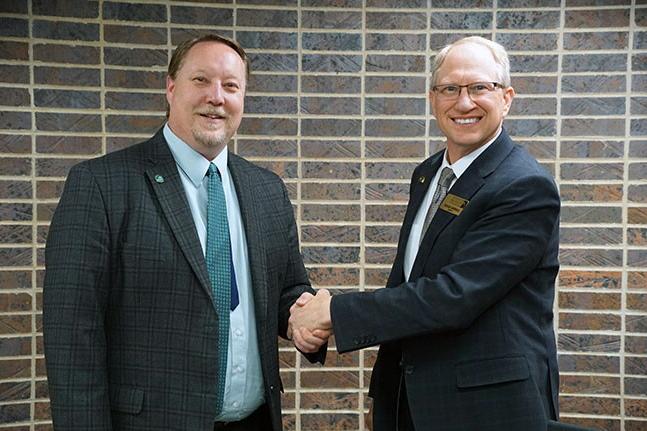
[
  {"x": 212, "y": 170},
  {"x": 446, "y": 177}
]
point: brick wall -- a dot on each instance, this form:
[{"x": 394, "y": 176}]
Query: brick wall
[{"x": 337, "y": 107}]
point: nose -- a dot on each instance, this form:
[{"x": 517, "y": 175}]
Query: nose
[
  {"x": 464, "y": 100},
  {"x": 215, "y": 95}
]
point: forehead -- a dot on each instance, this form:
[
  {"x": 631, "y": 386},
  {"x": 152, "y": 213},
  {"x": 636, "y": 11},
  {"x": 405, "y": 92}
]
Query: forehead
[
  {"x": 469, "y": 60},
  {"x": 213, "y": 55}
]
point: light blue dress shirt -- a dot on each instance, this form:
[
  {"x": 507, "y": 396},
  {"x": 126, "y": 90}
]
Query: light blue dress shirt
[
  {"x": 244, "y": 391},
  {"x": 459, "y": 167}
]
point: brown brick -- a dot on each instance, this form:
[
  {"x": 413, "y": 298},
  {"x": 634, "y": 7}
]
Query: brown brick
[
  {"x": 385, "y": 213},
  {"x": 589, "y": 343},
  {"x": 637, "y": 302},
  {"x": 527, "y": 41},
  {"x": 15, "y": 324},
  {"x": 330, "y": 105},
  {"x": 598, "y": 126},
  {"x": 590, "y": 236},
  {"x": 135, "y": 57},
  {"x": 593, "y": 423},
  {"x": 636, "y": 344},
  {"x": 636, "y": 407},
  {"x": 13, "y": 413},
  {"x": 331, "y": 19},
  {"x": 13, "y": 391},
  {"x": 534, "y": 106},
  {"x": 267, "y": 39},
  {"x": 395, "y": 149},
  {"x": 394, "y": 128},
  {"x": 326, "y": 84},
  {"x": 14, "y": 51},
  {"x": 387, "y": 192},
  {"x": 590, "y": 279},
  {"x": 14, "y": 96},
  {"x": 134, "y": 12},
  {"x": 329, "y": 400},
  {"x": 330, "y": 191},
  {"x": 329, "y": 421},
  {"x": 16, "y": 6},
  {"x": 396, "y": 21},
  {"x": 205, "y": 15},
  {"x": 68, "y": 144},
  {"x": 636, "y": 323},
  {"x": 330, "y": 149},
  {"x": 50, "y": 121},
  {"x": 329, "y": 379},
  {"x": 376, "y": 276},
  {"x": 596, "y": 40},
  {"x": 395, "y": 42},
  {"x": 14, "y": 74},
  {"x": 637, "y": 215},
  {"x": 594, "y": 84},
  {"x": 589, "y": 364},
  {"x": 15, "y": 120},
  {"x": 395, "y": 63},
  {"x": 15, "y": 166},
  {"x": 326, "y": 127},
  {"x": 60, "y": 30},
  {"x": 12, "y": 189},
  {"x": 266, "y": 18},
  {"x": 342, "y": 234},
  {"x": 589, "y": 301},
  {"x": 331, "y": 170},
  {"x": 591, "y": 215},
  {"x": 267, "y": 148},
  {"x": 595, "y": 322},
  {"x": 130, "y": 101},
  {"x": 52, "y": 53},
  {"x": 69, "y": 76},
  {"x": 134, "y": 34},
  {"x": 591, "y": 192},
  {"x": 635, "y": 386},
  {"x": 379, "y": 255},
  {"x": 589, "y": 405},
  {"x": 135, "y": 79},
  {"x": 589, "y": 385},
  {"x": 147, "y": 124},
  {"x": 638, "y": 193},
  {"x": 329, "y": 276},
  {"x": 15, "y": 234},
  {"x": 330, "y": 255},
  {"x": 637, "y": 280},
  {"x": 395, "y": 85},
  {"x": 596, "y": 18},
  {"x": 329, "y": 212},
  {"x": 87, "y": 9},
  {"x": 268, "y": 126},
  {"x": 590, "y": 257}
]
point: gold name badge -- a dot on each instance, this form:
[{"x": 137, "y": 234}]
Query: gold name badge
[{"x": 453, "y": 204}]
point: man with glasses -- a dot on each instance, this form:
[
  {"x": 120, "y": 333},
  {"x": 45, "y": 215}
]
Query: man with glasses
[{"x": 465, "y": 325}]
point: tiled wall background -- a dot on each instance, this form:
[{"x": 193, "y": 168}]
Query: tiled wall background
[{"x": 337, "y": 107}]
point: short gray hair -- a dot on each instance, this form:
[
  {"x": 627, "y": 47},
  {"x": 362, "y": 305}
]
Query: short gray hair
[{"x": 498, "y": 52}]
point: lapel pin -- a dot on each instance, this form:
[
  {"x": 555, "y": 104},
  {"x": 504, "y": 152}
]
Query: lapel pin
[
  {"x": 421, "y": 179},
  {"x": 159, "y": 179}
]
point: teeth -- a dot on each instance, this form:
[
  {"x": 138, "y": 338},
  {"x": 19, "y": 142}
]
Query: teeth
[{"x": 466, "y": 120}]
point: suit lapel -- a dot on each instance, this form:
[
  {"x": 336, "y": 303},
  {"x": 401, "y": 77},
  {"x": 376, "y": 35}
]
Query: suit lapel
[
  {"x": 465, "y": 187},
  {"x": 165, "y": 181},
  {"x": 243, "y": 177}
]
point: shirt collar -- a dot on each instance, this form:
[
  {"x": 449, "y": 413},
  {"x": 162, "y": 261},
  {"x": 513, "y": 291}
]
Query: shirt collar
[
  {"x": 460, "y": 166},
  {"x": 192, "y": 163}
]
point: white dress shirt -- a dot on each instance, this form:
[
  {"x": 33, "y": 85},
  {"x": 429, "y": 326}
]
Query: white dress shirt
[
  {"x": 459, "y": 167},
  {"x": 244, "y": 390}
]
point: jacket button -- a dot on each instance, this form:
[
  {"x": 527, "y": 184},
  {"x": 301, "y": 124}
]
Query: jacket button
[
  {"x": 271, "y": 388},
  {"x": 409, "y": 369}
]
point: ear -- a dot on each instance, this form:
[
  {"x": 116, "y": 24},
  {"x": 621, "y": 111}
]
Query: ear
[
  {"x": 432, "y": 101},
  {"x": 170, "y": 87},
  {"x": 508, "y": 95}
]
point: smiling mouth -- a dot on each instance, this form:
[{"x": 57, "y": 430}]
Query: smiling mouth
[
  {"x": 466, "y": 121},
  {"x": 212, "y": 116}
]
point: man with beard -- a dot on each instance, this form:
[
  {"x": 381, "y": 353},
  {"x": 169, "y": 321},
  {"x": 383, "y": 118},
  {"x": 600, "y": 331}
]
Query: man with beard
[{"x": 171, "y": 269}]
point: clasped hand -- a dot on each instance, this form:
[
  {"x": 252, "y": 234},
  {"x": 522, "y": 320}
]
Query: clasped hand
[{"x": 310, "y": 324}]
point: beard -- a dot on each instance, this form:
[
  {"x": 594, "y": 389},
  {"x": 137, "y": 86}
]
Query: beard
[{"x": 209, "y": 138}]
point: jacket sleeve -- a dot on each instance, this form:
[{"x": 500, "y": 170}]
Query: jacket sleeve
[
  {"x": 296, "y": 278},
  {"x": 74, "y": 305},
  {"x": 500, "y": 249}
]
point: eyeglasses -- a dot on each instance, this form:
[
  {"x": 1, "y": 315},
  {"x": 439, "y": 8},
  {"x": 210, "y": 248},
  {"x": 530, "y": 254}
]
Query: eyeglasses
[{"x": 474, "y": 90}]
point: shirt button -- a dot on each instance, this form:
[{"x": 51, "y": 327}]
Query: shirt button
[
  {"x": 235, "y": 404},
  {"x": 238, "y": 333}
]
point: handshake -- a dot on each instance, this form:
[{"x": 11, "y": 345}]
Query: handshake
[{"x": 310, "y": 323}]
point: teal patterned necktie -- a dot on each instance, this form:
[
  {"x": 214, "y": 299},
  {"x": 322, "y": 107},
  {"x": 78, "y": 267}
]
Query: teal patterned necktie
[{"x": 218, "y": 258}]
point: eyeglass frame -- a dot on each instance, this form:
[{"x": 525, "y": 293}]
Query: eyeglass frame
[{"x": 438, "y": 89}]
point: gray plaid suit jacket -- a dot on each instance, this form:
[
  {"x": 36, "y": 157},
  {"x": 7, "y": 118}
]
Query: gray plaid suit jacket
[
  {"x": 129, "y": 324},
  {"x": 471, "y": 333}
]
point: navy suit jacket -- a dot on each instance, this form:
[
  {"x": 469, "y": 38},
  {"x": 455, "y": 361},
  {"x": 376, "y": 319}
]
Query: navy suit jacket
[
  {"x": 472, "y": 331},
  {"x": 129, "y": 324}
]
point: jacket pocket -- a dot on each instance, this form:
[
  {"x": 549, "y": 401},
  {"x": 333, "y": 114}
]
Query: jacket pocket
[
  {"x": 491, "y": 371},
  {"x": 126, "y": 399}
]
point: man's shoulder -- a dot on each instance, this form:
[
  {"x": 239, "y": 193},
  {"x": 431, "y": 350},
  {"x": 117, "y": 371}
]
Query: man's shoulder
[{"x": 122, "y": 159}]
